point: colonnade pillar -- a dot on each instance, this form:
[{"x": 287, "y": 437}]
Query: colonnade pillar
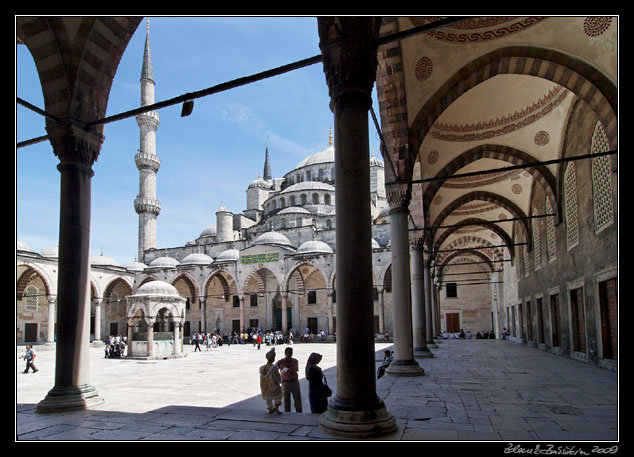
[
  {"x": 77, "y": 150},
  {"x": 429, "y": 306},
  {"x": 349, "y": 59},
  {"x": 97, "y": 334},
  {"x": 404, "y": 363},
  {"x": 419, "y": 316},
  {"x": 50, "y": 336}
]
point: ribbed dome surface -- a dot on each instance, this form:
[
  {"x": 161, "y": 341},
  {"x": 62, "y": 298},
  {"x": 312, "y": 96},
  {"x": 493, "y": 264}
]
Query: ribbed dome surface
[
  {"x": 314, "y": 247},
  {"x": 104, "y": 260},
  {"x": 308, "y": 185},
  {"x": 164, "y": 262},
  {"x": 272, "y": 238},
  {"x": 229, "y": 254},
  {"x": 197, "y": 258},
  {"x": 157, "y": 288},
  {"x": 327, "y": 156}
]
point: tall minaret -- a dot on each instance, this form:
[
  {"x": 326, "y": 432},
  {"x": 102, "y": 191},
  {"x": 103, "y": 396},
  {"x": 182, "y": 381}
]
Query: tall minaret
[
  {"x": 267, "y": 166},
  {"x": 148, "y": 163}
]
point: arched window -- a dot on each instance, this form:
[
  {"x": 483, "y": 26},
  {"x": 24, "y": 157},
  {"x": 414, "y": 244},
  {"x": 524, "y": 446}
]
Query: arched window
[
  {"x": 570, "y": 202},
  {"x": 298, "y": 222},
  {"x": 537, "y": 245},
  {"x": 282, "y": 202},
  {"x": 273, "y": 204},
  {"x": 551, "y": 242},
  {"x": 327, "y": 199},
  {"x": 601, "y": 180},
  {"x": 316, "y": 198},
  {"x": 292, "y": 200},
  {"x": 114, "y": 304},
  {"x": 31, "y": 294},
  {"x": 303, "y": 197}
]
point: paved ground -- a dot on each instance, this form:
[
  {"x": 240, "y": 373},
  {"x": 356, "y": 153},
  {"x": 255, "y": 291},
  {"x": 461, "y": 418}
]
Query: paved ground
[{"x": 477, "y": 390}]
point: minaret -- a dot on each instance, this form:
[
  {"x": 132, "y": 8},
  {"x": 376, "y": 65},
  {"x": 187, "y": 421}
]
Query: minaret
[
  {"x": 146, "y": 205},
  {"x": 267, "y": 166}
]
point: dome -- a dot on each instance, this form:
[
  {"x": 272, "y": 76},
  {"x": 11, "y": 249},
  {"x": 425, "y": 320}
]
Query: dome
[
  {"x": 375, "y": 162},
  {"x": 308, "y": 185},
  {"x": 197, "y": 258},
  {"x": 209, "y": 231},
  {"x": 272, "y": 238},
  {"x": 293, "y": 210},
  {"x": 105, "y": 261},
  {"x": 228, "y": 255},
  {"x": 135, "y": 266},
  {"x": 50, "y": 252},
  {"x": 314, "y": 247},
  {"x": 260, "y": 183},
  {"x": 22, "y": 246},
  {"x": 157, "y": 288},
  {"x": 163, "y": 262},
  {"x": 327, "y": 156}
]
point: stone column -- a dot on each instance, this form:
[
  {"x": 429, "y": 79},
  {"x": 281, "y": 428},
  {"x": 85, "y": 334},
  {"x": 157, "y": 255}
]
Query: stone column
[
  {"x": 131, "y": 328},
  {"x": 77, "y": 151},
  {"x": 419, "y": 317},
  {"x": 242, "y": 313},
  {"x": 284, "y": 313},
  {"x": 150, "y": 338},
  {"x": 381, "y": 310},
  {"x": 404, "y": 363},
  {"x": 428, "y": 301},
  {"x": 349, "y": 60},
  {"x": 177, "y": 338},
  {"x": 50, "y": 336},
  {"x": 97, "y": 335},
  {"x": 331, "y": 321}
]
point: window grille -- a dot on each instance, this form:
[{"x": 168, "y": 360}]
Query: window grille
[
  {"x": 551, "y": 241},
  {"x": 601, "y": 181},
  {"x": 570, "y": 200},
  {"x": 31, "y": 298}
]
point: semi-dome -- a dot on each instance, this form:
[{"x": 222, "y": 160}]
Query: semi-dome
[
  {"x": 22, "y": 246},
  {"x": 197, "y": 258},
  {"x": 272, "y": 237},
  {"x": 157, "y": 288},
  {"x": 50, "y": 252},
  {"x": 314, "y": 247},
  {"x": 135, "y": 266},
  {"x": 228, "y": 255},
  {"x": 293, "y": 210},
  {"x": 164, "y": 262},
  {"x": 104, "y": 261},
  {"x": 209, "y": 231},
  {"x": 326, "y": 156},
  {"x": 308, "y": 185}
]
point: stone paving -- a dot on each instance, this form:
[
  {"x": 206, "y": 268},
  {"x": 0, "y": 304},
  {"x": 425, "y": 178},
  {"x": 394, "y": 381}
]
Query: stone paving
[{"x": 473, "y": 390}]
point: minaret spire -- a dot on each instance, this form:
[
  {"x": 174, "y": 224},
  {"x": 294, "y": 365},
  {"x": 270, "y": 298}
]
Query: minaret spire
[
  {"x": 267, "y": 165},
  {"x": 145, "y": 204}
]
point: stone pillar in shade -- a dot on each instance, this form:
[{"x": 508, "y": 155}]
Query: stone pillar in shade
[
  {"x": 349, "y": 60},
  {"x": 77, "y": 150},
  {"x": 404, "y": 363},
  {"x": 429, "y": 306},
  {"x": 50, "y": 336},
  {"x": 419, "y": 316}
]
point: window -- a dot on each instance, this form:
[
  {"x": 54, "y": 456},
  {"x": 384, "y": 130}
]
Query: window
[
  {"x": 551, "y": 241},
  {"x": 554, "y": 320},
  {"x": 578, "y": 320},
  {"x": 236, "y": 301},
  {"x": 312, "y": 297},
  {"x": 254, "y": 299},
  {"x": 312, "y": 325},
  {"x": 303, "y": 198},
  {"x": 451, "y": 290},
  {"x": 601, "y": 180},
  {"x": 327, "y": 199},
  {"x": 31, "y": 298},
  {"x": 537, "y": 245},
  {"x": 316, "y": 199},
  {"x": 570, "y": 203},
  {"x": 292, "y": 200}
]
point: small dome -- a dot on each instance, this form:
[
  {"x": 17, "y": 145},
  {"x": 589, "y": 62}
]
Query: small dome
[
  {"x": 314, "y": 247},
  {"x": 50, "y": 252},
  {"x": 293, "y": 210},
  {"x": 197, "y": 258},
  {"x": 209, "y": 231},
  {"x": 22, "y": 246},
  {"x": 272, "y": 237},
  {"x": 157, "y": 288},
  {"x": 164, "y": 262},
  {"x": 375, "y": 162},
  {"x": 260, "y": 183},
  {"x": 104, "y": 261},
  {"x": 135, "y": 266},
  {"x": 228, "y": 255}
]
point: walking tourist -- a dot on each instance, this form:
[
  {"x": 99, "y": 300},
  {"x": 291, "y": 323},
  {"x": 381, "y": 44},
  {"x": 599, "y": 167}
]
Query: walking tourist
[{"x": 30, "y": 359}]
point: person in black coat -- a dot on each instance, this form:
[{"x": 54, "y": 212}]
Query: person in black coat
[{"x": 317, "y": 390}]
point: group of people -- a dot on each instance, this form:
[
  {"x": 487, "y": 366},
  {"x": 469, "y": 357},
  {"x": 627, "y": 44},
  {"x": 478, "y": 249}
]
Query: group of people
[
  {"x": 252, "y": 336},
  {"x": 280, "y": 381},
  {"x": 115, "y": 346},
  {"x": 467, "y": 336}
]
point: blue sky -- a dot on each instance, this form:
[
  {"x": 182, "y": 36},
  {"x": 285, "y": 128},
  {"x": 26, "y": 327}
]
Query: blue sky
[{"x": 207, "y": 158}]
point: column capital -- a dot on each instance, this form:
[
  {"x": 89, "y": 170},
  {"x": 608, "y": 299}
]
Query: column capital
[
  {"x": 349, "y": 53},
  {"x": 399, "y": 199},
  {"x": 73, "y": 143}
]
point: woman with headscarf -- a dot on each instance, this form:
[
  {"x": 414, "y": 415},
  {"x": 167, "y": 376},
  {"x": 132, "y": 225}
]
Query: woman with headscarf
[
  {"x": 270, "y": 383},
  {"x": 317, "y": 391}
]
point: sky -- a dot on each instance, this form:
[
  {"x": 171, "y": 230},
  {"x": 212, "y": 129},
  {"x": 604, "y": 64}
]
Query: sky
[{"x": 208, "y": 158}]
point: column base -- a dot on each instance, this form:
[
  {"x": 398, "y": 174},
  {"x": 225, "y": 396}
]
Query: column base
[
  {"x": 423, "y": 353},
  {"x": 405, "y": 368},
  {"x": 343, "y": 422},
  {"x": 61, "y": 399}
]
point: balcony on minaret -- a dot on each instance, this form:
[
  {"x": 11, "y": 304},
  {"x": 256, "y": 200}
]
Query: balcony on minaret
[
  {"x": 147, "y": 160},
  {"x": 147, "y": 205}
]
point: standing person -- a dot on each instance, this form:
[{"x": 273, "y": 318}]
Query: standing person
[
  {"x": 290, "y": 382},
  {"x": 30, "y": 359},
  {"x": 258, "y": 340},
  {"x": 270, "y": 381},
  {"x": 197, "y": 342},
  {"x": 317, "y": 390}
]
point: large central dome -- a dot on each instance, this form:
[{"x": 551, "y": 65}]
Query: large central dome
[{"x": 327, "y": 156}]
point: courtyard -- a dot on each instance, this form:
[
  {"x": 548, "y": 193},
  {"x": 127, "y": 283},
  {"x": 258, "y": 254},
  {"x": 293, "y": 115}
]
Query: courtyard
[{"x": 472, "y": 390}]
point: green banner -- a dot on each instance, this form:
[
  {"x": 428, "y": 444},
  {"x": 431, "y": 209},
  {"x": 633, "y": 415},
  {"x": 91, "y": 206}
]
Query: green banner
[{"x": 260, "y": 258}]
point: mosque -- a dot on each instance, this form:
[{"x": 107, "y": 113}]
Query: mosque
[{"x": 494, "y": 207}]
